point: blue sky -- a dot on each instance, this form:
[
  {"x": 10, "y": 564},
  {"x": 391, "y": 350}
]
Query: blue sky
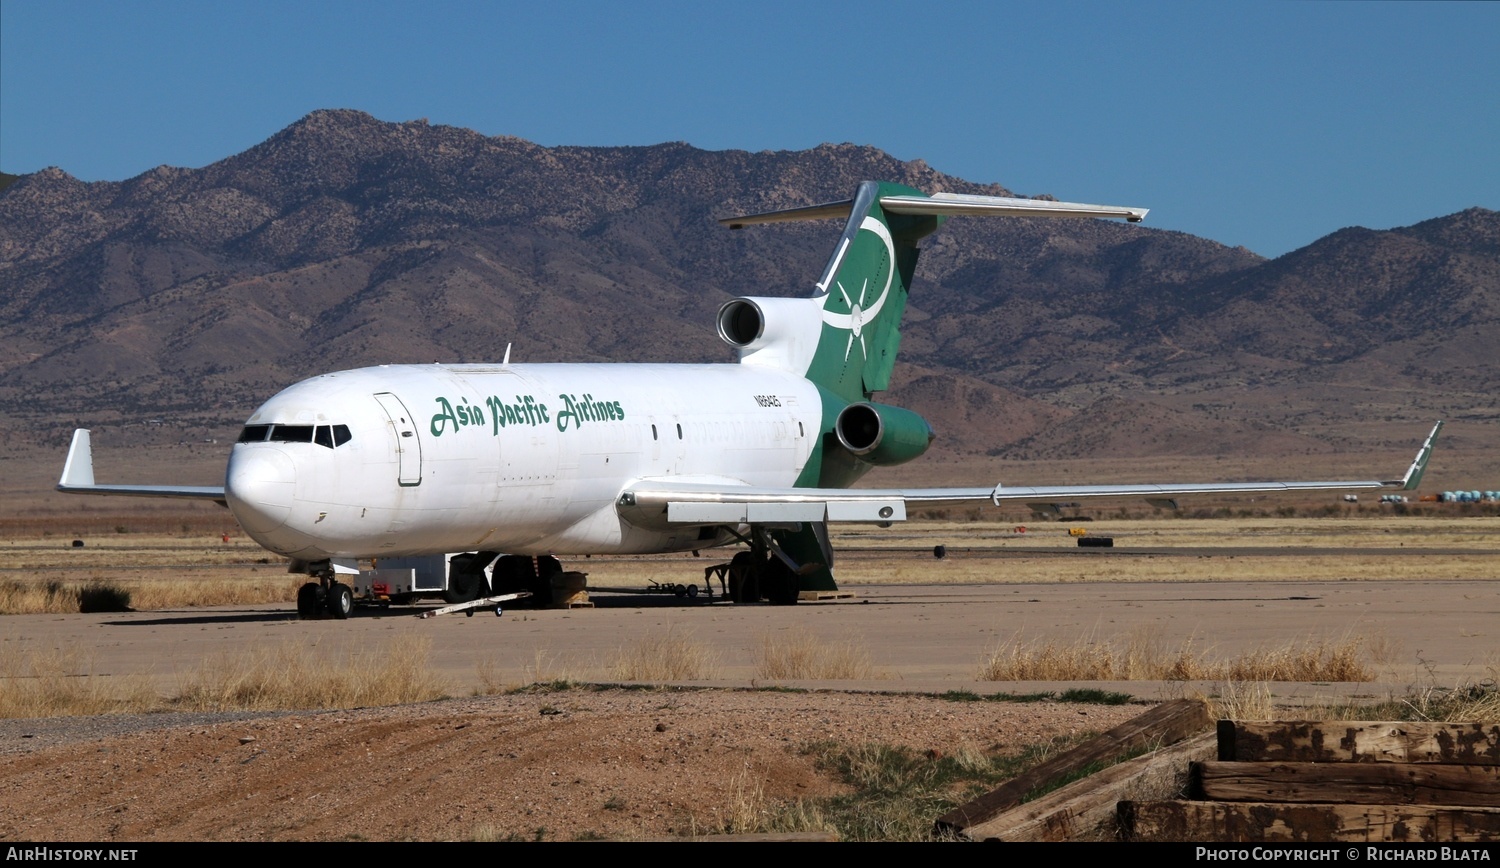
[{"x": 1262, "y": 124}]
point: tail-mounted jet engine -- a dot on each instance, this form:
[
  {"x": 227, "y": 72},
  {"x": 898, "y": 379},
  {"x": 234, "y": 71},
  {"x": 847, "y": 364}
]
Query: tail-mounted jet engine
[
  {"x": 881, "y": 434},
  {"x": 781, "y": 332}
]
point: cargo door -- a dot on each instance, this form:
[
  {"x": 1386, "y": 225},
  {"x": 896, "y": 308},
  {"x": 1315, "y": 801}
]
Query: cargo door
[{"x": 408, "y": 440}]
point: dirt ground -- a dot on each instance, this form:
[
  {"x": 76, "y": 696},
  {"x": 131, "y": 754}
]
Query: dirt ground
[
  {"x": 632, "y": 764},
  {"x": 579, "y": 764}
]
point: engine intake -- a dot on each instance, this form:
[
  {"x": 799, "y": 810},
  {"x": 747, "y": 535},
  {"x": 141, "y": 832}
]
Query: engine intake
[
  {"x": 741, "y": 322},
  {"x": 776, "y": 332},
  {"x": 881, "y": 434}
]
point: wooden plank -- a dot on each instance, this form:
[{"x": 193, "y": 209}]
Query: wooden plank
[
  {"x": 1165, "y": 724},
  {"x": 1086, "y": 809},
  {"x": 1264, "y": 821},
  {"x": 1355, "y": 783},
  {"x": 1346, "y": 741},
  {"x": 815, "y": 596}
]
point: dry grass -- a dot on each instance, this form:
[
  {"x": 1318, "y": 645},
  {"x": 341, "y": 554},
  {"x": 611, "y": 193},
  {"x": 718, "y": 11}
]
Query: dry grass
[
  {"x": 115, "y": 549},
  {"x": 789, "y": 655},
  {"x": 1142, "y": 656},
  {"x": 294, "y": 676},
  {"x": 1473, "y": 701},
  {"x": 1311, "y": 660},
  {"x": 55, "y": 684},
  {"x": 547, "y": 668},
  {"x": 1238, "y": 700},
  {"x": 668, "y": 656},
  {"x": 49, "y": 684},
  {"x": 38, "y": 598},
  {"x": 56, "y": 596}
]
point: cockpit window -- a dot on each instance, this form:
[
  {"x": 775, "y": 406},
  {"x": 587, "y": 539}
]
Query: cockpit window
[
  {"x": 329, "y": 436},
  {"x": 332, "y": 436},
  {"x": 292, "y": 434}
]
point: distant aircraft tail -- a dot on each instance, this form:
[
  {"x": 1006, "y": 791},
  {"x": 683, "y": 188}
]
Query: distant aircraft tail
[{"x": 846, "y": 336}]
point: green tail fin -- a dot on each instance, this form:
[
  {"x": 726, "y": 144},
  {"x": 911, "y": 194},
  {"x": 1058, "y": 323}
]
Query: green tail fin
[
  {"x": 861, "y": 296},
  {"x": 864, "y": 289}
]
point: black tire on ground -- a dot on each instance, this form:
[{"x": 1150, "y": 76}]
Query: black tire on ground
[
  {"x": 463, "y": 587},
  {"x": 744, "y": 584},
  {"x": 340, "y": 601},
  {"x": 309, "y": 600},
  {"x": 779, "y": 583}
]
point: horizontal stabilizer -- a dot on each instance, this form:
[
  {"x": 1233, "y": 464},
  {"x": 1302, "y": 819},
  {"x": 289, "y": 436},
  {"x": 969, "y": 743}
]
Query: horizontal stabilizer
[
  {"x": 957, "y": 204},
  {"x": 945, "y": 205},
  {"x": 826, "y": 211}
]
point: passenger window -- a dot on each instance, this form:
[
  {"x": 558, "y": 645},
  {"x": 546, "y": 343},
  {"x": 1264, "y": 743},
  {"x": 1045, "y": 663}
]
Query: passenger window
[{"x": 253, "y": 433}]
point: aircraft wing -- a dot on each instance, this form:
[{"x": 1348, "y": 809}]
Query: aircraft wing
[
  {"x": 78, "y": 478},
  {"x": 671, "y": 502}
]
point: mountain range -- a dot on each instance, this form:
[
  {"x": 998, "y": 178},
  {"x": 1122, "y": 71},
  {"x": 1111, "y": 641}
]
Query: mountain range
[{"x": 188, "y": 296}]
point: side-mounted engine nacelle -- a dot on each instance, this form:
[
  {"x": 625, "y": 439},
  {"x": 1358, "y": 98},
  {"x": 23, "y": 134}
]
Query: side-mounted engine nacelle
[
  {"x": 881, "y": 434},
  {"x": 778, "y": 332}
]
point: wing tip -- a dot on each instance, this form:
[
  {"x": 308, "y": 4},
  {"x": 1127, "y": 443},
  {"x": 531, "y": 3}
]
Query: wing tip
[{"x": 78, "y": 468}]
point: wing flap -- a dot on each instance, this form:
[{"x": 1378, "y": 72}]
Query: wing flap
[{"x": 772, "y": 509}]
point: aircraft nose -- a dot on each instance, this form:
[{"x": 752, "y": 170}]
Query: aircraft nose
[{"x": 259, "y": 485}]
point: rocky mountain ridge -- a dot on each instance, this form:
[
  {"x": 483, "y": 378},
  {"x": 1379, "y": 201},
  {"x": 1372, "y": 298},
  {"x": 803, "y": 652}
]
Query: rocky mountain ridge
[{"x": 194, "y": 294}]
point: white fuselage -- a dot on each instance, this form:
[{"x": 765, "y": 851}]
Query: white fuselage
[{"x": 522, "y": 459}]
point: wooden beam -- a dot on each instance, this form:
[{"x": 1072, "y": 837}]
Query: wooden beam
[
  {"x": 1344, "y": 741},
  {"x": 1086, "y": 809},
  {"x": 1355, "y": 783},
  {"x": 1165, "y": 724},
  {"x": 1265, "y": 821}
]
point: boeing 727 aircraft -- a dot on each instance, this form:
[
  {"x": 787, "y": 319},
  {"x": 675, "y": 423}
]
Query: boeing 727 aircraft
[{"x": 519, "y": 463}]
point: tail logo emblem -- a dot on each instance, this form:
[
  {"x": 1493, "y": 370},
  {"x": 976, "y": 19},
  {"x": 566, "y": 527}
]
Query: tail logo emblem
[{"x": 858, "y": 314}]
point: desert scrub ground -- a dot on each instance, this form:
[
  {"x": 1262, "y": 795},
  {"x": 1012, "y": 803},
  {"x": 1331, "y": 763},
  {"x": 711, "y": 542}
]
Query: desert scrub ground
[{"x": 41, "y": 569}]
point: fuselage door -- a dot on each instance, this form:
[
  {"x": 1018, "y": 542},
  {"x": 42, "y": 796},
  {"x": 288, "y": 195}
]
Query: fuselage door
[{"x": 408, "y": 440}]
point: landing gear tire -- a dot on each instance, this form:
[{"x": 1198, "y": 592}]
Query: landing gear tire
[
  {"x": 744, "y": 574},
  {"x": 340, "y": 601},
  {"x": 464, "y": 587},
  {"x": 309, "y": 601},
  {"x": 780, "y": 583}
]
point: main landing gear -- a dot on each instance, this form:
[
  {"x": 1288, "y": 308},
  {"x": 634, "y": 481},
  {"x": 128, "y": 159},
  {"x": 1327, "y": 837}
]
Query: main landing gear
[
  {"x": 752, "y": 579},
  {"x": 325, "y": 598}
]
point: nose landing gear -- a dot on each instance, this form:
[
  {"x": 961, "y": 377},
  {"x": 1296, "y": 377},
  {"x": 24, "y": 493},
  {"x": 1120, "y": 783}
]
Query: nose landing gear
[{"x": 325, "y": 598}]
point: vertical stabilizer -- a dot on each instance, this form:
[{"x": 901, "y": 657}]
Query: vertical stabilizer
[
  {"x": 861, "y": 295},
  {"x": 863, "y": 292}
]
